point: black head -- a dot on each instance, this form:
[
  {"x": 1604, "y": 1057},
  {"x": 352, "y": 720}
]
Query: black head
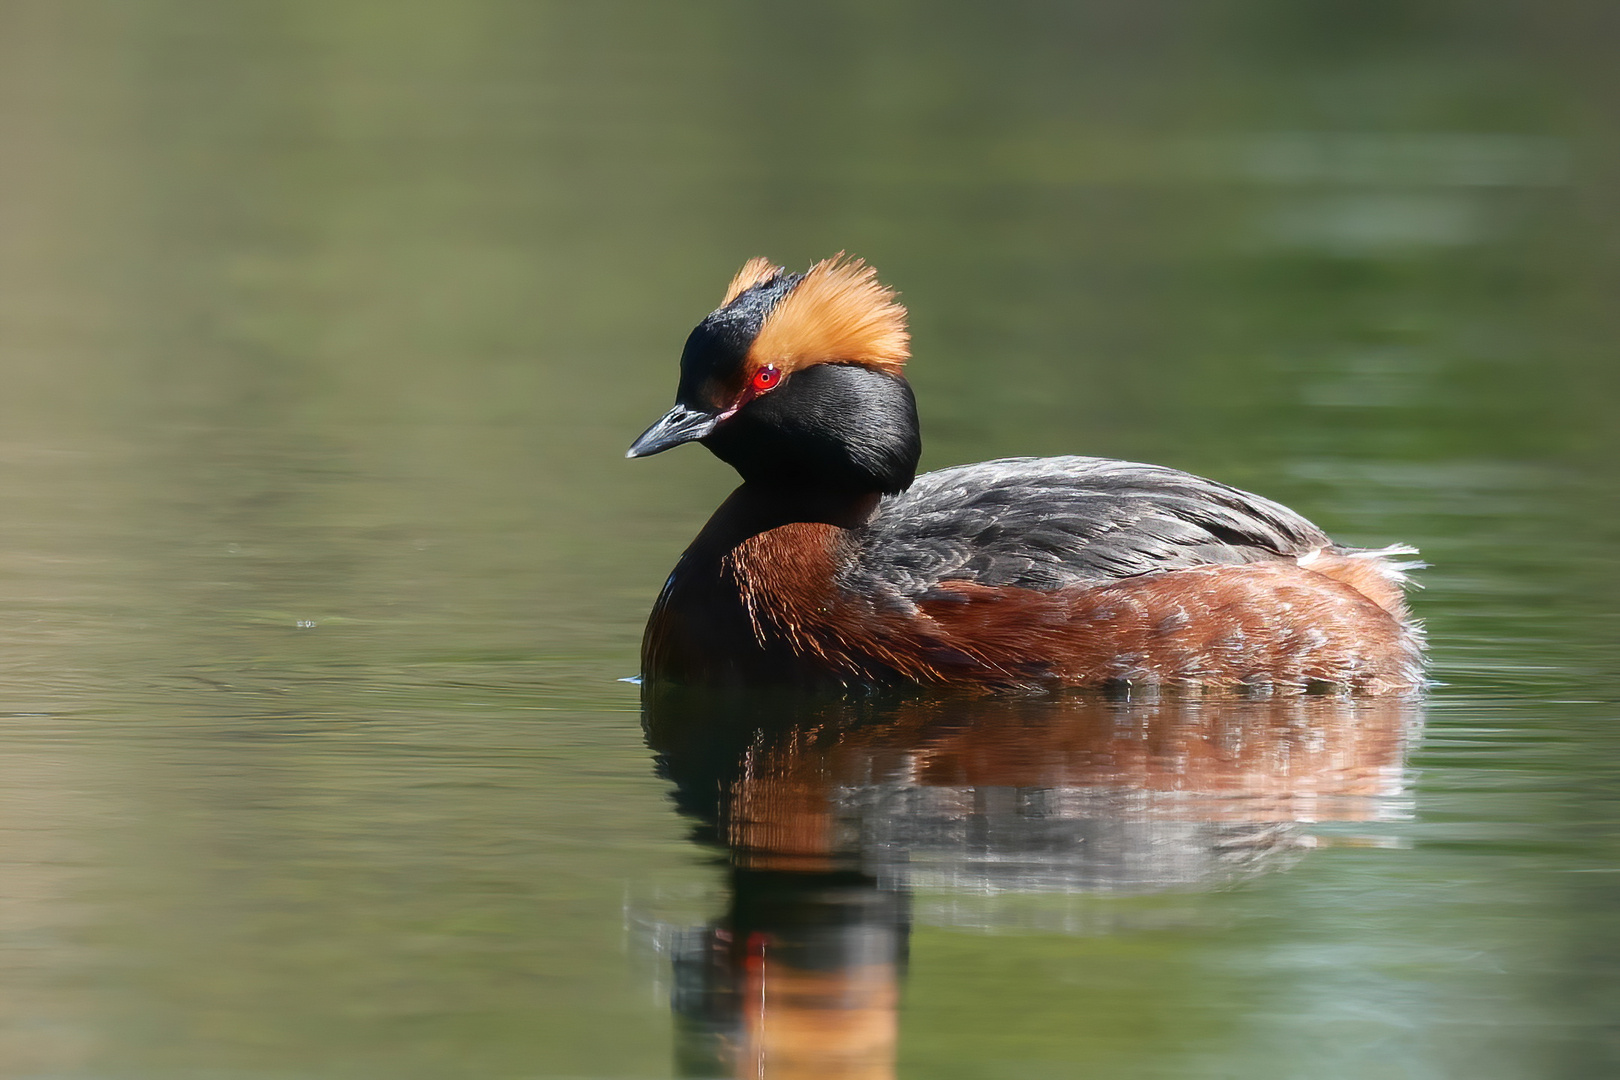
[
  {"x": 795, "y": 382},
  {"x": 715, "y": 360}
]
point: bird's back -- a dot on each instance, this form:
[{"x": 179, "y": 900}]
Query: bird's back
[
  {"x": 1082, "y": 571},
  {"x": 1064, "y": 522}
]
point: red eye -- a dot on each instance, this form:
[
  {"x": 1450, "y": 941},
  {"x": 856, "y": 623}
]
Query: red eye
[{"x": 765, "y": 378}]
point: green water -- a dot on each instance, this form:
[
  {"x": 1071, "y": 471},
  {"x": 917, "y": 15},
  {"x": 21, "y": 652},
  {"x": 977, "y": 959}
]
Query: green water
[{"x": 323, "y": 329}]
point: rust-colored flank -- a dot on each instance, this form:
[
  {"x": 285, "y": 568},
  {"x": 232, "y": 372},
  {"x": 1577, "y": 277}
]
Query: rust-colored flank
[{"x": 1260, "y": 626}]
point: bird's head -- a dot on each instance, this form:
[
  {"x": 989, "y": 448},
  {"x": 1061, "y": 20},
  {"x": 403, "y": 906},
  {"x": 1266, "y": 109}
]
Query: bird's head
[{"x": 795, "y": 381}]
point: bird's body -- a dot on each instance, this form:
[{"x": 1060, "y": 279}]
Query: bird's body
[{"x": 831, "y": 565}]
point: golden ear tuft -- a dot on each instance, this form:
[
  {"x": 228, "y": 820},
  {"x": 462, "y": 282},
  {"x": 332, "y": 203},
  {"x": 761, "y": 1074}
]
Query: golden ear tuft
[
  {"x": 839, "y": 313},
  {"x": 754, "y": 271}
]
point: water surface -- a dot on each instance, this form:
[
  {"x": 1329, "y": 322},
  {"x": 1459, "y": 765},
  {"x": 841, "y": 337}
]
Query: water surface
[{"x": 323, "y": 328}]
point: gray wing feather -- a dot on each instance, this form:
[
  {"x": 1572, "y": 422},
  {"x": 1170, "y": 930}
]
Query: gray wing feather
[{"x": 1052, "y": 523}]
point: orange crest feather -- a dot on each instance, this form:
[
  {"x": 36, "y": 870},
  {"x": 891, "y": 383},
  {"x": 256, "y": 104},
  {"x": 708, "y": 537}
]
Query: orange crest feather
[
  {"x": 754, "y": 271},
  {"x": 840, "y": 312}
]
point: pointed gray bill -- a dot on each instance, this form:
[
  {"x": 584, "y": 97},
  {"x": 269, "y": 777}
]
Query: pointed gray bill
[{"x": 679, "y": 425}]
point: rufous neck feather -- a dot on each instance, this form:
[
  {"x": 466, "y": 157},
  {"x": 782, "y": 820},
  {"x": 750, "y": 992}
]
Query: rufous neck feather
[{"x": 838, "y": 313}]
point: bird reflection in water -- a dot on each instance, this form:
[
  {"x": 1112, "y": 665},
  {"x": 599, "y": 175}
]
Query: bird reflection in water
[{"x": 833, "y": 812}]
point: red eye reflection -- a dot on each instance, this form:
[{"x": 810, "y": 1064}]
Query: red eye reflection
[{"x": 765, "y": 378}]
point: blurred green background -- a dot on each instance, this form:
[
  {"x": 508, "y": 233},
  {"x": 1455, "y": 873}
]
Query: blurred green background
[{"x": 323, "y": 328}]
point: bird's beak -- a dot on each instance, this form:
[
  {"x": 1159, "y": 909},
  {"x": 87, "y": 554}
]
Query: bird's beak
[{"x": 679, "y": 425}]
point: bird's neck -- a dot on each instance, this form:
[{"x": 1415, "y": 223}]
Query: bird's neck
[
  {"x": 755, "y": 508},
  {"x": 705, "y": 624},
  {"x": 771, "y": 506}
]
